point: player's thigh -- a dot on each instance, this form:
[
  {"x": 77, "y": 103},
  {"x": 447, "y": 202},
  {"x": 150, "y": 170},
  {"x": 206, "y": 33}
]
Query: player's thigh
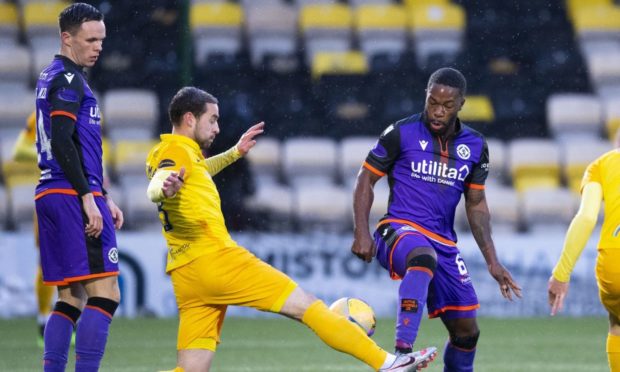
[
  {"x": 73, "y": 294},
  {"x": 200, "y": 327},
  {"x": 608, "y": 279},
  {"x": 234, "y": 276},
  {"x": 395, "y": 243}
]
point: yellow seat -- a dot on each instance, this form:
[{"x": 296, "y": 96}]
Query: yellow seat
[
  {"x": 380, "y": 17},
  {"x": 130, "y": 157},
  {"x": 477, "y": 108},
  {"x": 612, "y": 125},
  {"x": 339, "y": 63},
  {"x": 602, "y": 18},
  {"x": 410, "y": 4},
  {"x": 325, "y": 16},
  {"x": 437, "y": 17},
  {"x": 43, "y": 14},
  {"x": 215, "y": 15},
  {"x": 535, "y": 176},
  {"x": 8, "y": 14},
  {"x": 573, "y": 7}
]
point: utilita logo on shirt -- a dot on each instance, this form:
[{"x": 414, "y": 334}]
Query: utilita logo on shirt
[{"x": 433, "y": 171}]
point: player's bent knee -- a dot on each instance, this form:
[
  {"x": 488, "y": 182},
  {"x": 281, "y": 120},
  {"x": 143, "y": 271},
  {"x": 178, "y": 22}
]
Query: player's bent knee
[
  {"x": 468, "y": 342},
  {"x": 424, "y": 260}
]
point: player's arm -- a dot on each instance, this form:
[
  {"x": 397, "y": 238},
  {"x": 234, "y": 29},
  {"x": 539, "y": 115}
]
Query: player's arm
[
  {"x": 167, "y": 173},
  {"x": 377, "y": 164},
  {"x": 220, "y": 161},
  {"x": 65, "y": 97}
]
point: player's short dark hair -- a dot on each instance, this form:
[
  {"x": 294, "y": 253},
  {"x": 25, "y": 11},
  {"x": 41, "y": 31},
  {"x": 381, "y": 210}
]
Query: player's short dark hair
[
  {"x": 450, "y": 77},
  {"x": 72, "y": 17},
  {"x": 189, "y": 99}
]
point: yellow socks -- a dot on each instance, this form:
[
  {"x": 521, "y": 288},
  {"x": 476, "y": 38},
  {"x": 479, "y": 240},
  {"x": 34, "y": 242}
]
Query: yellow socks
[
  {"x": 44, "y": 294},
  {"x": 613, "y": 352},
  {"x": 342, "y": 335}
]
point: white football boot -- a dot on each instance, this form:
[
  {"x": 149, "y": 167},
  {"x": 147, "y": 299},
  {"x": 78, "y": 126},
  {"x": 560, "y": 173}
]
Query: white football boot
[{"x": 414, "y": 361}]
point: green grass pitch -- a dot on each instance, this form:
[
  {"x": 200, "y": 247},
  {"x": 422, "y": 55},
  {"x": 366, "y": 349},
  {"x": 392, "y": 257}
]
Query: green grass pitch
[{"x": 281, "y": 345}]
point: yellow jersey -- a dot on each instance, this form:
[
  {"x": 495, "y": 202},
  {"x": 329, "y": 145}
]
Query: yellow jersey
[
  {"x": 192, "y": 220},
  {"x": 606, "y": 171}
]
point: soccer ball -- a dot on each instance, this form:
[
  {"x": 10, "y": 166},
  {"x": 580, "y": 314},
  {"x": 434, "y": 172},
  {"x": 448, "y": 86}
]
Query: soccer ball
[{"x": 356, "y": 311}]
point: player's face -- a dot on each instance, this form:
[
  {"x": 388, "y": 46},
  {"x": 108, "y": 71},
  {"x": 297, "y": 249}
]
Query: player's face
[
  {"x": 442, "y": 106},
  {"x": 207, "y": 126},
  {"x": 86, "y": 44}
]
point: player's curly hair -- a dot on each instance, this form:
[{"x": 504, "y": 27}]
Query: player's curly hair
[
  {"x": 189, "y": 99},
  {"x": 450, "y": 77},
  {"x": 72, "y": 17}
]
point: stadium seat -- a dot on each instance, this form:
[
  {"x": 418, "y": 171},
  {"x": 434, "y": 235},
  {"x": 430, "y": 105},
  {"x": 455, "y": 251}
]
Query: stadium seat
[
  {"x": 381, "y": 29},
  {"x": 16, "y": 104},
  {"x": 477, "y": 109},
  {"x": 129, "y": 159},
  {"x": 21, "y": 199},
  {"x": 325, "y": 28},
  {"x": 302, "y": 3},
  {"x": 604, "y": 69},
  {"x": 264, "y": 161},
  {"x": 139, "y": 210},
  {"x": 504, "y": 205},
  {"x": 545, "y": 208},
  {"x": 611, "y": 108},
  {"x": 339, "y": 63},
  {"x": 41, "y": 57},
  {"x": 379, "y": 204},
  {"x": 4, "y": 207},
  {"x": 597, "y": 22},
  {"x": 14, "y": 65},
  {"x": 498, "y": 167},
  {"x": 130, "y": 114},
  {"x": 8, "y": 25},
  {"x": 351, "y": 155},
  {"x": 576, "y": 156},
  {"x": 534, "y": 163},
  {"x": 322, "y": 205},
  {"x": 574, "y": 115},
  {"x": 437, "y": 30},
  {"x": 358, "y": 3},
  {"x": 41, "y": 22},
  {"x": 216, "y": 29},
  {"x": 271, "y": 31},
  {"x": 309, "y": 160},
  {"x": 276, "y": 201},
  {"x": 423, "y": 3},
  {"x": 576, "y": 6}
]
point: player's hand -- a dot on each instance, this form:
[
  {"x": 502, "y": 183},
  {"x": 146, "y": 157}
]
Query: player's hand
[
  {"x": 507, "y": 285},
  {"x": 115, "y": 211},
  {"x": 247, "y": 141},
  {"x": 173, "y": 183},
  {"x": 557, "y": 292},
  {"x": 364, "y": 247},
  {"x": 94, "y": 225}
]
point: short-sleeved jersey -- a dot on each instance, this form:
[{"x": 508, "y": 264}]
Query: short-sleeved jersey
[
  {"x": 606, "y": 171},
  {"x": 426, "y": 175},
  {"x": 62, "y": 90},
  {"x": 193, "y": 223}
]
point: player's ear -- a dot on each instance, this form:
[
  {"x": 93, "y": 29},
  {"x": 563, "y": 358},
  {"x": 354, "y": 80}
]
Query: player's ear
[
  {"x": 462, "y": 102},
  {"x": 189, "y": 119},
  {"x": 65, "y": 38}
]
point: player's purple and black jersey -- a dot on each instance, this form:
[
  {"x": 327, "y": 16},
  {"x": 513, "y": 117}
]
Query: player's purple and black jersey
[
  {"x": 62, "y": 90},
  {"x": 427, "y": 176}
]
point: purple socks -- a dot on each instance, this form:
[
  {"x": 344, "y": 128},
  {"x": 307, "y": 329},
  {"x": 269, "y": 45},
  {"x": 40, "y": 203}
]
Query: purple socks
[
  {"x": 458, "y": 360},
  {"x": 92, "y": 333},
  {"x": 57, "y": 336},
  {"x": 412, "y": 298}
]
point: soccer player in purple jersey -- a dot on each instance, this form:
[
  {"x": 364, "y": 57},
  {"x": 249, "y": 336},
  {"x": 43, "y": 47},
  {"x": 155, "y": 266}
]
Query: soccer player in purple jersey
[
  {"x": 431, "y": 159},
  {"x": 76, "y": 217}
]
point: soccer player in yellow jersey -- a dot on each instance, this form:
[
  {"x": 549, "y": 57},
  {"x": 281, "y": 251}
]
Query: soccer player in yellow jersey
[
  {"x": 601, "y": 181},
  {"x": 25, "y": 152},
  {"x": 209, "y": 271}
]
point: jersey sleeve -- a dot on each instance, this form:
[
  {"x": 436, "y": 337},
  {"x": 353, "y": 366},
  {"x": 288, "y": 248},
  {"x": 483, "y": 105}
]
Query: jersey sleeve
[
  {"x": 65, "y": 95},
  {"x": 172, "y": 158},
  {"x": 382, "y": 156},
  {"x": 480, "y": 170},
  {"x": 592, "y": 174}
]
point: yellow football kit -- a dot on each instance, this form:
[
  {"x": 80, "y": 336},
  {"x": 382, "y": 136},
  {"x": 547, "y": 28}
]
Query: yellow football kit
[{"x": 208, "y": 269}]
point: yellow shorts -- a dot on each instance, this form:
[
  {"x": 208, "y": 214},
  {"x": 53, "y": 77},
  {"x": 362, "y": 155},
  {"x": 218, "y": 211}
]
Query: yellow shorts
[
  {"x": 608, "y": 278},
  {"x": 230, "y": 276}
]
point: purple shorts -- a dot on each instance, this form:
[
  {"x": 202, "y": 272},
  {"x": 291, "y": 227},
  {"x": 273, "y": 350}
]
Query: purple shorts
[
  {"x": 451, "y": 293},
  {"x": 67, "y": 253}
]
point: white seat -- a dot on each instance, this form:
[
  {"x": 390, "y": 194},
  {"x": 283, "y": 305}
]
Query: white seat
[
  {"x": 15, "y": 106},
  {"x": 216, "y": 29},
  {"x": 322, "y": 205},
  {"x": 271, "y": 30},
  {"x": 577, "y": 155},
  {"x": 264, "y": 160},
  {"x": 139, "y": 210},
  {"x": 22, "y": 203},
  {"x": 604, "y": 68},
  {"x": 273, "y": 199},
  {"x": 41, "y": 58},
  {"x": 352, "y": 153},
  {"x": 381, "y": 28},
  {"x": 504, "y": 206},
  {"x": 130, "y": 114},
  {"x": 534, "y": 162},
  {"x": 574, "y": 115},
  {"x": 14, "y": 64},
  {"x": 325, "y": 27},
  {"x": 546, "y": 207},
  {"x": 309, "y": 160}
]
